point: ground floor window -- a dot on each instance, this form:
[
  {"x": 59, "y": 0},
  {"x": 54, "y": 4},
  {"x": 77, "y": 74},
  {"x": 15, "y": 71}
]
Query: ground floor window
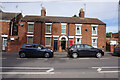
[
  {"x": 48, "y": 41},
  {"x": 94, "y": 42},
  {"x": 29, "y": 40},
  {"x": 78, "y": 40}
]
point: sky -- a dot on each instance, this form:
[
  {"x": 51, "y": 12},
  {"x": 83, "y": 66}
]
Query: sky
[{"x": 105, "y": 10}]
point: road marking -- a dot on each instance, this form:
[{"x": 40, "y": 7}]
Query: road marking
[
  {"x": 109, "y": 71},
  {"x": 105, "y": 67},
  {"x": 26, "y": 67},
  {"x": 48, "y": 70},
  {"x": 21, "y": 58},
  {"x": 99, "y": 69},
  {"x": 26, "y": 72},
  {"x": 52, "y": 69},
  {"x": 3, "y": 58}
]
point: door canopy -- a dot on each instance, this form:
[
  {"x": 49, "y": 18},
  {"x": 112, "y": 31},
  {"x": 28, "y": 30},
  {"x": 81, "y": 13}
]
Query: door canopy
[{"x": 63, "y": 37}]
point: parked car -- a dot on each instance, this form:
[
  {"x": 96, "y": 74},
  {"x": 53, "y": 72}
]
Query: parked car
[
  {"x": 84, "y": 50},
  {"x": 35, "y": 50},
  {"x": 117, "y": 50}
]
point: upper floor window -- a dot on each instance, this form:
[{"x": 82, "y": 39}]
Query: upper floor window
[
  {"x": 63, "y": 29},
  {"x": 48, "y": 28},
  {"x": 94, "y": 29},
  {"x": 78, "y": 29},
  {"x": 30, "y": 27}
]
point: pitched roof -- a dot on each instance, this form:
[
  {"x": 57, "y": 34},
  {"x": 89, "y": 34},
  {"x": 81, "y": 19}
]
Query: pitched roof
[
  {"x": 7, "y": 15},
  {"x": 62, "y": 19}
]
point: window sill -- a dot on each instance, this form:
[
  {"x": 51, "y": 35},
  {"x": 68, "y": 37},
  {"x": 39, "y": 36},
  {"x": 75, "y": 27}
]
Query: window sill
[
  {"x": 47, "y": 45},
  {"x": 78, "y": 34},
  {"x": 63, "y": 33},
  {"x": 94, "y": 34},
  {"x": 30, "y": 32},
  {"x": 47, "y": 33},
  {"x": 95, "y": 46}
]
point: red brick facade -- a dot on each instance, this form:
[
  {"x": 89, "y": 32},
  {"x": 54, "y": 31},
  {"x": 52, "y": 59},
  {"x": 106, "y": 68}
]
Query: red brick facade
[{"x": 39, "y": 33}]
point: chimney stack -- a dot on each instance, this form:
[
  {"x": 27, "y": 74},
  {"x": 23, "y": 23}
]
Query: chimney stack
[
  {"x": 43, "y": 11},
  {"x": 81, "y": 14}
]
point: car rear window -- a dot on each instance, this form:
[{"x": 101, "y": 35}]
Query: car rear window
[{"x": 88, "y": 46}]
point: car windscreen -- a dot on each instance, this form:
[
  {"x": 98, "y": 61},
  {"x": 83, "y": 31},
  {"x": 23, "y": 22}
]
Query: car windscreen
[
  {"x": 118, "y": 46},
  {"x": 72, "y": 46}
]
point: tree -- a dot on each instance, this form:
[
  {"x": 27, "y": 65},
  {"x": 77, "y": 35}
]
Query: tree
[
  {"x": 108, "y": 35},
  {"x": 75, "y": 15}
]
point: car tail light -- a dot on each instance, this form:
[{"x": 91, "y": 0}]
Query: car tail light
[{"x": 21, "y": 48}]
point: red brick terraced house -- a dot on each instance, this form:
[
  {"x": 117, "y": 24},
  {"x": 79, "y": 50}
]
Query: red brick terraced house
[
  {"x": 8, "y": 29},
  {"x": 60, "y": 32},
  {"x": 55, "y": 32}
]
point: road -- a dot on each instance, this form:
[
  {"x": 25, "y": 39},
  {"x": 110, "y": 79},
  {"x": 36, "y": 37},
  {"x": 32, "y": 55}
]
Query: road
[{"x": 59, "y": 67}]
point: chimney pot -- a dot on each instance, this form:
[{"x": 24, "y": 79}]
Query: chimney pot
[
  {"x": 43, "y": 11},
  {"x": 81, "y": 14}
]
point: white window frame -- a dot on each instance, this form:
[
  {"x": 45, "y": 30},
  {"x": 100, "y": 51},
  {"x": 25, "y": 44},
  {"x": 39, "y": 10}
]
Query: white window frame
[
  {"x": 96, "y": 29},
  {"x": 78, "y": 25},
  {"x": 63, "y": 24},
  {"x": 50, "y": 41},
  {"x": 96, "y": 41},
  {"x": 78, "y": 37},
  {"x": 50, "y": 27},
  {"x": 28, "y": 27},
  {"x": 29, "y": 36}
]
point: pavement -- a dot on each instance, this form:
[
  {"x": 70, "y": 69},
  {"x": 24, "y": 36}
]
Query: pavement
[{"x": 60, "y": 66}]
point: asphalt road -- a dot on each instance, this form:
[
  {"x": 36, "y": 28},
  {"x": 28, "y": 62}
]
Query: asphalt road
[{"x": 59, "y": 67}]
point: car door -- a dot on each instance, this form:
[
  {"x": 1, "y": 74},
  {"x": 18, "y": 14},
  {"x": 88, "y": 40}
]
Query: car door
[
  {"x": 29, "y": 50},
  {"x": 88, "y": 50},
  {"x": 80, "y": 49},
  {"x": 37, "y": 50}
]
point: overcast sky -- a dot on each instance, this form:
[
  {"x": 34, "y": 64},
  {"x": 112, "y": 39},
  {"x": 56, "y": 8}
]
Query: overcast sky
[{"x": 105, "y": 10}]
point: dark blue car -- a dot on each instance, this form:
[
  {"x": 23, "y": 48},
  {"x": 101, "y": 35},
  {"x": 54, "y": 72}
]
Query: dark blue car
[
  {"x": 117, "y": 50},
  {"x": 35, "y": 50}
]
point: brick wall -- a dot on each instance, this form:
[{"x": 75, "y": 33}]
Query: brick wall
[
  {"x": 14, "y": 46},
  {"x": 86, "y": 35},
  {"x": 5, "y": 27},
  {"x": 102, "y": 36},
  {"x": 56, "y": 30}
]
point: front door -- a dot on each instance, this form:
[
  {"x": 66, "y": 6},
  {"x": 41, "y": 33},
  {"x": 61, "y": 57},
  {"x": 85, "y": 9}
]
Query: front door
[
  {"x": 4, "y": 43},
  {"x": 55, "y": 45},
  {"x": 63, "y": 45}
]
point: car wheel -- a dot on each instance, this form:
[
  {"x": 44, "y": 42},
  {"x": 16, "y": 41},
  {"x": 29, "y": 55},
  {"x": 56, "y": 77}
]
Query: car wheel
[
  {"x": 98, "y": 55},
  {"x": 47, "y": 55},
  {"x": 74, "y": 55},
  {"x": 22, "y": 55}
]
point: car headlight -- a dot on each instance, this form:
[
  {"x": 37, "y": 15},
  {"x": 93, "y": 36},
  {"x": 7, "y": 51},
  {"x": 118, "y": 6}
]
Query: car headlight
[{"x": 102, "y": 50}]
